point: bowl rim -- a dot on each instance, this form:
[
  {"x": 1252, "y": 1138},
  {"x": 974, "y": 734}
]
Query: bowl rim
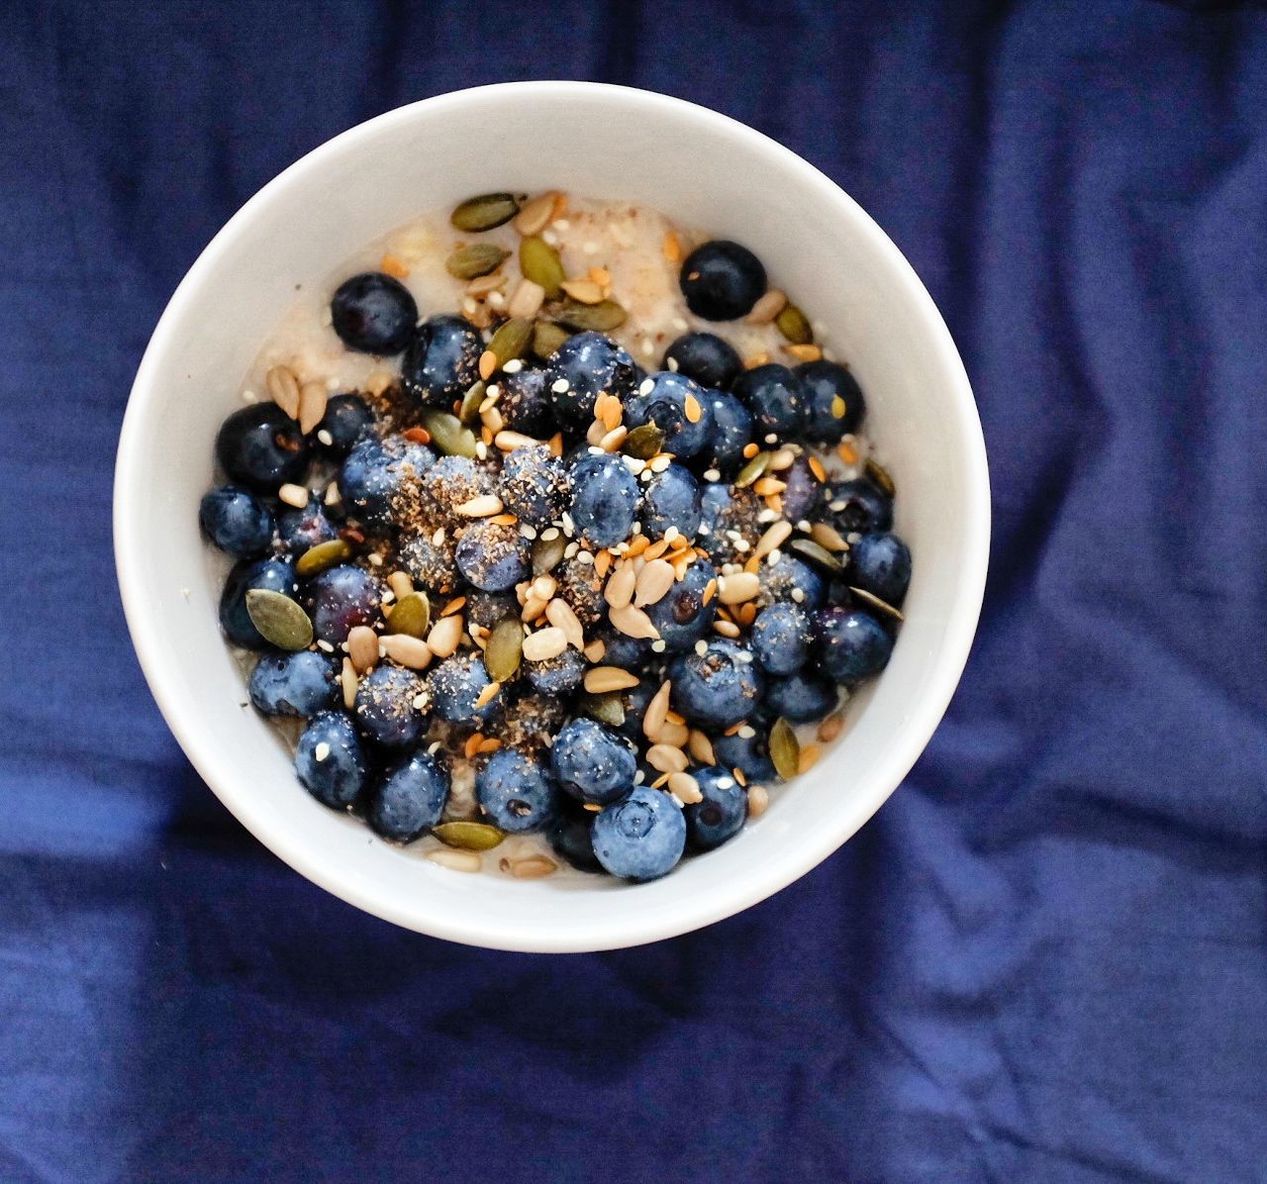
[{"x": 947, "y": 666}]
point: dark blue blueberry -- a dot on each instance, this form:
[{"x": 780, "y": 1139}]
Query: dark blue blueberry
[
  {"x": 297, "y": 530},
  {"x": 385, "y": 710},
  {"x": 669, "y": 401},
  {"x": 641, "y": 837},
  {"x": 801, "y": 697},
  {"x": 486, "y": 609},
  {"x": 442, "y": 361},
  {"x": 515, "y": 792},
  {"x": 633, "y": 702},
  {"x": 629, "y": 653},
  {"x": 591, "y": 762},
  {"x": 748, "y": 754},
  {"x": 780, "y": 638},
  {"x": 374, "y": 472},
  {"x": 671, "y": 498},
  {"x": 373, "y": 313},
  {"x": 793, "y": 580},
  {"x": 493, "y": 557},
  {"x": 729, "y": 518},
  {"x": 850, "y": 645},
  {"x": 731, "y": 434},
  {"x": 330, "y": 761},
  {"x": 449, "y": 482},
  {"x": 340, "y": 598},
  {"x": 704, "y": 357},
  {"x": 722, "y": 280},
  {"x": 805, "y": 494},
  {"x": 571, "y": 833},
  {"x": 236, "y": 521},
  {"x": 261, "y": 447},
  {"x": 454, "y": 685},
  {"x": 604, "y": 499},
  {"x": 530, "y": 722},
  {"x": 276, "y": 575},
  {"x": 535, "y": 485},
  {"x": 722, "y": 812},
  {"x": 299, "y": 683},
  {"x": 777, "y": 400},
  {"x": 410, "y": 799},
  {"x": 859, "y": 507},
  {"x": 827, "y": 420},
  {"x": 587, "y": 363},
  {"x": 429, "y": 564},
  {"x": 880, "y": 564},
  {"x": 346, "y": 420},
  {"x": 559, "y": 675},
  {"x": 524, "y": 402},
  {"x": 717, "y": 688},
  {"x": 680, "y": 615},
  {"x": 582, "y": 590}
]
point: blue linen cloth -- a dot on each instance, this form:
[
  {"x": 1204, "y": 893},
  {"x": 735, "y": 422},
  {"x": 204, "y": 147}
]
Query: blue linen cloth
[{"x": 1044, "y": 960}]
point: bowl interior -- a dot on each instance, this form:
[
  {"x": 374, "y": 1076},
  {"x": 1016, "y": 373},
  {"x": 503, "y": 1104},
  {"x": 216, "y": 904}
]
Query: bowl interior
[{"x": 704, "y": 171}]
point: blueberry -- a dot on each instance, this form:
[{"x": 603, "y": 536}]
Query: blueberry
[
  {"x": 298, "y": 530},
  {"x": 449, "y": 482},
  {"x": 731, "y": 433},
  {"x": 629, "y": 653},
  {"x": 880, "y": 563},
  {"x": 559, "y": 675},
  {"x": 516, "y": 792},
  {"x": 634, "y": 701},
  {"x": 671, "y": 498},
  {"x": 680, "y": 615},
  {"x": 641, "y": 837},
  {"x": 373, "y": 313},
  {"x": 704, "y": 357},
  {"x": 442, "y": 361},
  {"x": 604, "y": 499},
  {"x": 834, "y": 405},
  {"x": 454, "y": 686},
  {"x": 492, "y": 557},
  {"x": 298, "y": 684},
  {"x": 374, "y": 472},
  {"x": 805, "y": 494},
  {"x": 748, "y": 754},
  {"x": 385, "y": 710},
  {"x": 524, "y": 402},
  {"x": 717, "y": 688},
  {"x": 236, "y": 521},
  {"x": 670, "y": 401},
  {"x": 859, "y": 507},
  {"x": 530, "y": 722},
  {"x": 591, "y": 762},
  {"x": 340, "y": 598},
  {"x": 584, "y": 365},
  {"x": 276, "y": 575},
  {"x": 730, "y": 518},
  {"x": 777, "y": 400},
  {"x": 850, "y": 645},
  {"x": 571, "y": 835},
  {"x": 801, "y": 697},
  {"x": 722, "y": 812},
  {"x": 780, "y": 638},
  {"x": 793, "y": 580},
  {"x": 330, "y": 761},
  {"x": 722, "y": 280},
  {"x": 261, "y": 447},
  {"x": 486, "y": 609},
  {"x": 428, "y": 563},
  {"x": 581, "y": 590},
  {"x": 535, "y": 486},
  {"x": 410, "y": 799},
  {"x": 346, "y": 420}
]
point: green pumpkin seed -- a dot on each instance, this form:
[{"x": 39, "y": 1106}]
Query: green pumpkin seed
[
  {"x": 469, "y": 836},
  {"x": 547, "y": 554},
  {"x": 753, "y": 469},
  {"x": 644, "y": 442},
  {"x": 785, "y": 749},
  {"x": 470, "y": 410},
  {"x": 411, "y": 616},
  {"x": 607, "y": 709},
  {"x": 448, "y": 434},
  {"x": 540, "y": 262},
  {"x": 794, "y": 325},
  {"x": 484, "y": 212},
  {"x": 511, "y": 339},
  {"x": 816, "y": 554},
  {"x": 322, "y": 555},
  {"x": 880, "y": 476},
  {"x": 875, "y": 602},
  {"x": 601, "y": 317},
  {"x": 474, "y": 260},
  {"x": 279, "y": 619},
  {"x": 504, "y": 649},
  {"x": 547, "y": 337}
]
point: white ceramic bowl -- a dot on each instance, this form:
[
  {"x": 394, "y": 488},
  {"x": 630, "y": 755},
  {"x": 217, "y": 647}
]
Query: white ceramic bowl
[{"x": 705, "y": 171}]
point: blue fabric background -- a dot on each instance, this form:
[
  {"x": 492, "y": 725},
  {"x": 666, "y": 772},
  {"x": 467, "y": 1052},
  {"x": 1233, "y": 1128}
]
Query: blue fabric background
[{"x": 1044, "y": 960}]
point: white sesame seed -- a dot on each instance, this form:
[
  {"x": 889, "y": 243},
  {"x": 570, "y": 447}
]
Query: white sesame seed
[
  {"x": 701, "y": 647},
  {"x": 322, "y": 644},
  {"x": 838, "y": 505},
  {"x": 679, "y": 323},
  {"x": 433, "y": 747},
  {"x": 805, "y": 525},
  {"x": 704, "y": 528},
  {"x": 496, "y": 299},
  {"x": 671, "y": 534},
  {"x": 420, "y": 701},
  {"x": 712, "y": 475},
  {"x": 594, "y": 450},
  {"x": 636, "y": 528},
  {"x": 767, "y": 515},
  {"x": 672, "y": 364},
  {"x": 724, "y": 782},
  {"x": 852, "y": 537},
  {"x": 550, "y": 532},
  {"x": 527, "y": 532},
  {"x": 746, "y": 732},
  {"x": 639, "y": 777},
  {"x": 646, "y": 386},
  {"x": 562, "y": 224},
  {"x": 584, "y": 558},
  {"x": 560, "y": 386},
  {"x": 570, "y": 550},
  {"x": 590, "y": 248},
  {"x": 375, "y": 560},
  {"x": 773, "y": 558},
  {"x": 743, "y": 656},
  {"x": 798, "y": 594},
  {"x": 633, "y": 464},
  {"x": 481, "y": 450},
  {"x": 513, "y": 366},
  {"x": 550, "y": 237},
  {"x": 569, "y": 527},
  {"x": 250, "y": 397},
  {"x": 742, "y": 545},
  {"x": 325, "y": 437},
  {"x": 437, "y": 539},
  {"x": 646, "y": 475},
  {"x": 648, "y": 347},
  {"x": 771, "y": 438},
  {"x": 321, "y": 752},
  {"x": 468, "y": 306},
  {"x": 659, "y": 646}
]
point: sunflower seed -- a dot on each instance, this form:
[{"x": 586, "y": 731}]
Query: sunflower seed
[
  {"x": 602, "y": 679},
  {"x": 738, "y": 588},
  {"x": 445, "y": 636},
  {"x": 483, "y": 506},
  {"x": 666, "y": 759},
  {"x": 526, "y": 301},
  {"x": 701, "y": 748},
  {"x": 685, "y": 788},
  {"x": 457, "y": 861},
  {"x": 633, "y": 622},
  {"x": 654, "y": 580},
  {"x": 653, "y": 719},
  {"x": 758, "y": 800},
  {"x": 544, "y": 644},
  {"x": 283, "y": 386},
  {"x": 620, "y": 587},
  {"x": 350, "y": 682},
  {"x": 827, "y": 537},
  {"x": 767, "y": 307},
  {"x": 559, "y": 613},
  {"x": 280, "y": 621}
]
